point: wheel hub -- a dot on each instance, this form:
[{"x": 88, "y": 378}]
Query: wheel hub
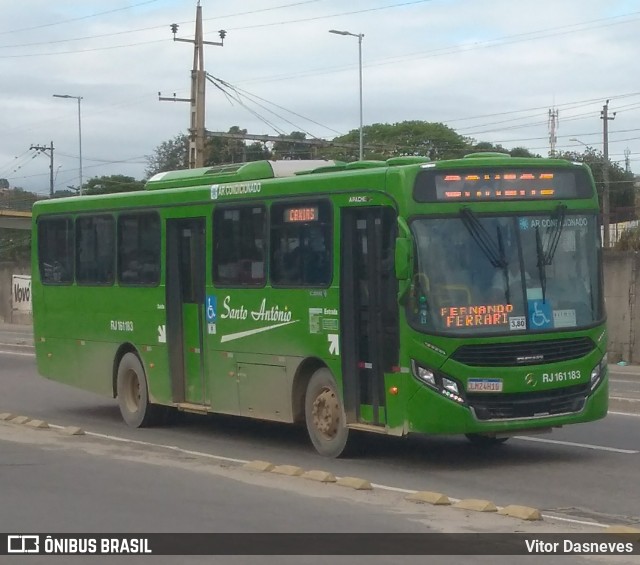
[
  {"x": 326, "y": 413},
  {"x": 132, "y": 396}
]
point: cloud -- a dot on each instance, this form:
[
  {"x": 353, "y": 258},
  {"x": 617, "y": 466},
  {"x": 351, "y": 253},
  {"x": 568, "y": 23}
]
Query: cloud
[{"x": 476, "y": 66}]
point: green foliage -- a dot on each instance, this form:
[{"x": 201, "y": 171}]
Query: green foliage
[
  {"x": 415, "y": 137},
  {"x": 112, "y": 183},
  {"x": 629, "y": 240},
  {"x": 292, "y": 150},
  {"x": 621, "y": 183},
  {"x": 17, "y": 199},
  {"x": 515, "y": 152},
  {"x": 169, "y": 156},
  {"x": 15, "y": 245},
  {"x": 173, "y": 154},
  {"x": 257, "y": 152},
  {"x": 223, "y": 150}
]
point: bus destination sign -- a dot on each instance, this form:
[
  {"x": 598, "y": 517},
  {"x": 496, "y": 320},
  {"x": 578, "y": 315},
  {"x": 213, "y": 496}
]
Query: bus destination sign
[
  {"x": 500, "y": 184},
  {"x": 306, "y": 214}
]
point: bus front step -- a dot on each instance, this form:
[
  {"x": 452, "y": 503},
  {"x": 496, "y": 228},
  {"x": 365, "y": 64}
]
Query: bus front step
[
  {"x": 368, "y": 428},
  {"x": 192, "y": 408}
]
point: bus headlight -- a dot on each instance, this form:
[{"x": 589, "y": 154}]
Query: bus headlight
[
  {"x": 425, "y": 375},
  {"x": 437, "y": 381},
  {"x": 598, "y": 372},
  {"x": 450, "y": 385}
]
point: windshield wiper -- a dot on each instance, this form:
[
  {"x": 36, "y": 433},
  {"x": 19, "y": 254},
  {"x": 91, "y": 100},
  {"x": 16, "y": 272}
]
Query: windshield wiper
[
  {"x": 494, "y": 253},
  {"x": 504, "y": 263},
  {"x": 541, "y": 264},
  {"x": 554, "y": 239}
]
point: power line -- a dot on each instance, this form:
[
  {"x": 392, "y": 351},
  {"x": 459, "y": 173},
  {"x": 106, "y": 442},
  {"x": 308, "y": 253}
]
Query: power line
[
  {"x": 78, "y": 18},
  {"x": 137, "y": 30},
  {"x": 157, "y": 27}
]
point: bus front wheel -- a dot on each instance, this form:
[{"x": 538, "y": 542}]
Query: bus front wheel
[
  {"x": 324, "y": 415},
  {"x": 133, "y": 394}
]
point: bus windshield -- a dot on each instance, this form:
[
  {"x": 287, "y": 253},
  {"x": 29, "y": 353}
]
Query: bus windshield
[{"x": 505, "y": 274}]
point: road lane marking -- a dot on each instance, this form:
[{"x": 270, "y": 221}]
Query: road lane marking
[
  {"x": 574, "y": 521},
  {"x": 17, "y": 353},
  {"x": 632, "y": 381},
  {"x": 574, "y": 444},
  {"x": 624, "y": 414}
]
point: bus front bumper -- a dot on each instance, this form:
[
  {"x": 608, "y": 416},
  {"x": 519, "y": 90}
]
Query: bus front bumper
[{"x": 431, "y": 413}]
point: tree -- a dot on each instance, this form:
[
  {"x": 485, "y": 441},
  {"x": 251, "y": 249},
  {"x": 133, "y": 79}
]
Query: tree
[
  {"x": 173, "y": 154},
  {"x": 629, "y": 240},
  {"x": 381, "y": 141},
  {"x": 17, "y": 199},
  {"x": 15, "y": 245},
  {"x": 223, "y": 150},
  {"x": 112, "y": 183},
  {"x": 621, "y": 183},
  {"x": 515, "y": 152},
  {"x": 257, "y": 152},
  {"x": 291, "y": 149},
  {"x": 169, "y": 156}
]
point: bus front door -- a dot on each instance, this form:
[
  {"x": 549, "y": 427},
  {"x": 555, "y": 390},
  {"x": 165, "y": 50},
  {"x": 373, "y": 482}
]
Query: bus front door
[
  {"x": 185, "y": 296},
  {"x": 369, "y": 311}
]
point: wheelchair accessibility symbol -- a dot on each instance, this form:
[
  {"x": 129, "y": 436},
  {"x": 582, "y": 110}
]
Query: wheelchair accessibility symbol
[{"x": 540, "y": 314}]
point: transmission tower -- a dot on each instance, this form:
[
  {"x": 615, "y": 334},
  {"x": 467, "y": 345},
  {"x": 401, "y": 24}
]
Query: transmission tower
[
  {"x": 627, "y": 160},
  {"x": 553, "y": 126}
]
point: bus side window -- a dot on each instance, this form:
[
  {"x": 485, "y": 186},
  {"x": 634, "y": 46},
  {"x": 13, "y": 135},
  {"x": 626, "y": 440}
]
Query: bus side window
[
  {"x": 95, "y": 250},
  {"x": 55, "y": 250},
  {"x": 139, "y": 249},
  {"x": 239, "y": 246},
  {"x": 301, "y": 246}
]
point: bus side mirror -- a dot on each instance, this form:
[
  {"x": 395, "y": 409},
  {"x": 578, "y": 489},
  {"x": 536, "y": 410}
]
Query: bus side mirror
[{"x": 403, "y": 258}]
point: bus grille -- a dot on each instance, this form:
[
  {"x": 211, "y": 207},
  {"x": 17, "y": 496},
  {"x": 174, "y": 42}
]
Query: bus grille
[
  {"x": 528, "y": 404},
  {"x": 523, "y": 353}
]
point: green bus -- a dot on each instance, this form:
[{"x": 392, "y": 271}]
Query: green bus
[{"x": 398, "y": 297}]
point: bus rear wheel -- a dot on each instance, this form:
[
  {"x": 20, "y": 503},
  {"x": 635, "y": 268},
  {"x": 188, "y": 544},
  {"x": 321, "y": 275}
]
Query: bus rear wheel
[
  {"x": 133, "y": 394},
  {"x": 324, "y": 415}
]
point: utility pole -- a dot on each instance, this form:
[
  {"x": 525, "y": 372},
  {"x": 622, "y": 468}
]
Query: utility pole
[
  {"x": 553, "y": 125},
  {"x": 44, "y": 149},
  {"x": 198, "y": 80},
  {"x": 605, "y": 117}
]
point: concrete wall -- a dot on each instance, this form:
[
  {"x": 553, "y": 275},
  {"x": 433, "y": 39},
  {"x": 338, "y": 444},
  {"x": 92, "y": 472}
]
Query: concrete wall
[
  {"x": 7, "y": 270},
  {"x": 622, "y": 296},
  {"x": 621, "y": 292}
]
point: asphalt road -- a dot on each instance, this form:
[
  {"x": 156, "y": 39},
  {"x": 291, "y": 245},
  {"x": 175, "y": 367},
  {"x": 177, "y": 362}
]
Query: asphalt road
[
  {"x": 586, "y": 472},
  {"x": 52, "y": 482}
]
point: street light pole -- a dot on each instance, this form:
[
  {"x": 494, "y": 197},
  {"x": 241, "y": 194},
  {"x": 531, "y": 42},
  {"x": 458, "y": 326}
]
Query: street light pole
[
  {"x": 580, "y": 142},
  {"x": 359, "y": 36},
  {"x": 78, "y": 98}
]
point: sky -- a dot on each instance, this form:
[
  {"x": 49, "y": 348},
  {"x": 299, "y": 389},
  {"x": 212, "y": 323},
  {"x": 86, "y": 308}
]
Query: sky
[{"x": 490, "y": 69}]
